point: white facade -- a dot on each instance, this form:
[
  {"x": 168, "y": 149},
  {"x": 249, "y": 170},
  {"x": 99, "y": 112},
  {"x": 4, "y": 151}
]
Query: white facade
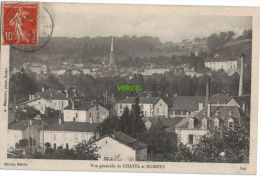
[
  {"x": 39, "y": 104},
  {"x": 152, "y": 71},
  {"x": 190, "y": 136},
  {"x": 149, "y": 110},
  {"x": 64, "y": 138},
  {"x": 13, "y": 137},
  {"x": 229, "y": 67},
  {"x": 112, "y": 150},
  {"x": 72, "y": 115}
]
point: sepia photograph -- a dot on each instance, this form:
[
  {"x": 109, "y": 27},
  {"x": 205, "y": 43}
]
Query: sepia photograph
[{"x": 111, "y": 83}]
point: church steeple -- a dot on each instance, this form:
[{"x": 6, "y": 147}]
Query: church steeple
[{"x": 112, "y": 62}]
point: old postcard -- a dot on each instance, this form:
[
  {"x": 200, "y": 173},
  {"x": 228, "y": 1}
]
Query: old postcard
[{"x": 129, "y": 88}]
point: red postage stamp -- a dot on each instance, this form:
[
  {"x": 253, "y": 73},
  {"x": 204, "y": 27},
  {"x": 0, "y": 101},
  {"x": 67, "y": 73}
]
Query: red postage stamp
[{"x": 20, "y": 23}]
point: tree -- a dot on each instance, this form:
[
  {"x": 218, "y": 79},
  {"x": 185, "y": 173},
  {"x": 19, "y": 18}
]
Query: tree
[
  {"x": 86, "y": 151},
  {"x": 220, "y": 145},
  {"x": 109, "y": 125},
  {"x": 26, "y": 113}
]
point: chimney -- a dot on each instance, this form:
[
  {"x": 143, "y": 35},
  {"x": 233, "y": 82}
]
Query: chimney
[
  {"x": 208, "y": 110},
  {"x": 240, "y": 91},
  {"x": 51, "y": 94},
  {"x": 72, "y": 104},
  {"x": 42, "y": 89},
  {"x": 207, "y": 92},
  {"x": 60, "y": 121},
  {"x": 244, "y": 107},
  {"x": 30, "y": 97},
  {"x": 30, "y": 122}
]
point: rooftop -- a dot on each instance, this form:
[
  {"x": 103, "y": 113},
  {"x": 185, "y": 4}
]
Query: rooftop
[
  {"x": 73, "y": 127},
  {"x": 52, "y": 95},
  {"x": 142, "y": 100}
]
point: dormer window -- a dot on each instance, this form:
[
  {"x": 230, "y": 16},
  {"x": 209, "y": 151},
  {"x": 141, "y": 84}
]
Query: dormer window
[
  {"x": 191, "y": 123},
  {"x": 231, "y": 123},
  {"x": 204, "y": 123},
  {"x": 216, "y": 122}
]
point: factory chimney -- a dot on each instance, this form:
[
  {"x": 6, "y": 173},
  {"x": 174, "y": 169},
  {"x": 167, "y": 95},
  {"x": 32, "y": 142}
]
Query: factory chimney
[
  {"x": 240, "y": 91},
  {"x": 207, "y": 103}
]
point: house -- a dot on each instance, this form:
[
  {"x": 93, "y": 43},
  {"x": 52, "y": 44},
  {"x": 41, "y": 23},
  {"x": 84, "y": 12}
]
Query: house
[
  {"x": 182, "y": 106},
  {"x": 58, "y": 99},
  {"x": 121, "y": 147},
  {"x": 67, "y": 134},
  {"x": 85, "y": 111},
  {"x": 230, "y": 66},
  {"x": 24, "y": 129},
  {"x": 242, "y": 102},
  {"x": 38, "y": 103},
  {"x": 37, "y": 68},
  {"x": 167, "y": 123},
  {"x": 151, "y": 106},
  {"x": 192, "y": 128}
]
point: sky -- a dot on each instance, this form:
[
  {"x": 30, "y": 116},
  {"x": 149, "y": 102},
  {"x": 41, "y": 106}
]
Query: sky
[{"x": 166, "y": 25}]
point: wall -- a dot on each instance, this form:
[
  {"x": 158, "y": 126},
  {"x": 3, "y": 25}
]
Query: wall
[
  {"x": 59, "y": 104},
  {"x": 161, "y": 109},
  {"x": 79, "y": 115},
  {"x": 13, "y": 137},
  {"x": 183, "y": 135},
  {"x": 60, "y": 138},
  {"x": 114, "y": 150},
  {"x": 97, "y": 113}
]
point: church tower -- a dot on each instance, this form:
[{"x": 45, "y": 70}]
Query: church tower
[{"x": 112, "y": 62}]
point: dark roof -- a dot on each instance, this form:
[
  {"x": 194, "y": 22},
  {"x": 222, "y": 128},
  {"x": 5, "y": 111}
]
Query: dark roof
[
  {"x": 220, "y": 99},
  {"x": 187, "y": 102},
  {"x": 81, "y": 105},
  {"x": 223, "y": 112},
  {"x": 166, "y": 122},
  {"x": 84, "y": 105},
  {"x": 28, "y": 101},
  {"x": 23, "y": 124},
  {"x": 73, "y": 127},
  {"x": 52, "y": 95},
  {"x": 168, "y": 101},
  {"x": 242, "y": 99},
  {"x": 220, "y": 59},
  {"x": 128, "y": 140},
  {"x": 142, "y": 100}
]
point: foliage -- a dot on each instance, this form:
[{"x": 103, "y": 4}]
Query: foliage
[
  {"x": 220, "y": 145},
  {"x": 82, "y": 151},
  {"x": 132, "y": 122},
  {"x": 159, "y": 141},
  {"x": 109, "y": 125},
  {"x": 52, "y": 113}
]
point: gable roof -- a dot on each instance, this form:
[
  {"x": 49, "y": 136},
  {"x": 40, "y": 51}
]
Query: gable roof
[
  {"x": 84, "y": 105},
  {"x": 73, "y": 127},
  {"x": 187, "y": 102},
  {"x": 166, "y": 122},
  {"x": 52, "y": 95},
  {"x": 142, "y": 100},
  {"x": 223, "y": 112},
  {"x": 242, "y": 99},
  {"x": 23, "y": 124},
  {"x": 35, "y": 99},
  {"x": 126, "y": 140}
]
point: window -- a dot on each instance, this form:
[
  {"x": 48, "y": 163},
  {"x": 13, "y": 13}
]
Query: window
[
  {"x": 190, "y": 139},
  {"x": 216, "y": 122},
  {"x": 90, "y": 114},
  {"x": 204, "y": 123},
  {"x": 191, "y": 123},
  {"x": 230, "y": 123}
]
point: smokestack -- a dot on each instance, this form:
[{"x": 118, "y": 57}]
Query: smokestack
[
  {"x": 240, "y": 91},
  {"x": 207, "y": 92},
  {"x": 208, "y": 110},
  {"x": 72, "y": 104}
]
